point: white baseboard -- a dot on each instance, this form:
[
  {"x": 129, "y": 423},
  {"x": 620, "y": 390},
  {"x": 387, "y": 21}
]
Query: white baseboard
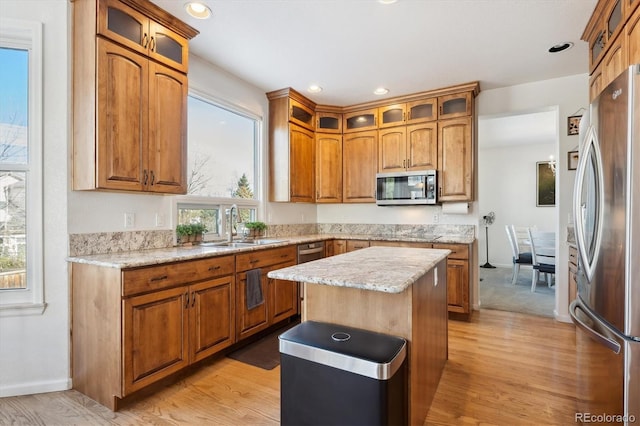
[
  {"x": 35, "y": 387},
  {"x": 562, "y": 318}
]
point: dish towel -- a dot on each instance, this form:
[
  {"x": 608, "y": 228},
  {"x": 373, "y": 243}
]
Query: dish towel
[{"x": 254, "y": 288}]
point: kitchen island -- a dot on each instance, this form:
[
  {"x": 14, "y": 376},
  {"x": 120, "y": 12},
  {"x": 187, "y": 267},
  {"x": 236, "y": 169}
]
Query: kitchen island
[{"x": 391, "y": 290}]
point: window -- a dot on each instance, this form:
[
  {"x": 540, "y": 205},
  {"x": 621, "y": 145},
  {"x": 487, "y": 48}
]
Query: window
[
  {"x": 222, "y": 166},
  {"x": 21, "y": 280}
]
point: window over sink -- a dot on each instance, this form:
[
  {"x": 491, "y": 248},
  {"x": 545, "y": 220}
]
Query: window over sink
[{"x": 223, "y": 167}]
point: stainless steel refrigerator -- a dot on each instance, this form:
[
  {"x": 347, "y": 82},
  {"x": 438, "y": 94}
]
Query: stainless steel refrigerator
[{"x": 607, "y": 224}]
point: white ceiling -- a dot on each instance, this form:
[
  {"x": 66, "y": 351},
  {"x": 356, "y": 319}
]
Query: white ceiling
[{"x": 350, "y": 47}]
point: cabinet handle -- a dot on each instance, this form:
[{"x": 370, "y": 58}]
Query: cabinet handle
[
  {"x": 254, "y": 261},
  {"x": 213, "y": 268},
  {"x": 145, "y": 40},
  {"x": 404, "y": 164},
  {"x": 153, "y": 178},
  {"x": 403, "y": 116},
  {"x": 440, "y": 109},
  {"x": 152, "y": 44},
  {"x": 145, "y": 177},
  {"x": 408, "y": 163},
  {"x": 193, "y": 300},
  {"x": 282, "y": 256},
  {"x": 160, "y": 278},
  {"x": 186, "y": 297}
]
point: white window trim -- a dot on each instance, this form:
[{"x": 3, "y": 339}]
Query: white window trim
[{"x": 28, "y": 35}]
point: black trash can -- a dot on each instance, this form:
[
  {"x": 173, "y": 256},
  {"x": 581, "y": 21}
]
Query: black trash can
[{"x": 336, "y": 375}]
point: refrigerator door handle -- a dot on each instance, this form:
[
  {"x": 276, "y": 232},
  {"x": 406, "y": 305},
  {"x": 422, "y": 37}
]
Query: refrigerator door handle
[
  {"x": 604, "y": 340},
  {"x": 591, "y": 147}
]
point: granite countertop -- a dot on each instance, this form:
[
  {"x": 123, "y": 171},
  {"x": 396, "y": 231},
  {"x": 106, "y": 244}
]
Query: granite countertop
[
  {"x": 385, "y": 269},
  {"x": 133, "y": 259}
]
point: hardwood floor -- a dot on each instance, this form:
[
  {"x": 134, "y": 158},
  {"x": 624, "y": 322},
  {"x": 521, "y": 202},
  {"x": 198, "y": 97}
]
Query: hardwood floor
[{"x": 504, "y": 369}]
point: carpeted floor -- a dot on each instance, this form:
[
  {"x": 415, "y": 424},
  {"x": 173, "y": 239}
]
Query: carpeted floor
[{"x": 497, "y": 292}]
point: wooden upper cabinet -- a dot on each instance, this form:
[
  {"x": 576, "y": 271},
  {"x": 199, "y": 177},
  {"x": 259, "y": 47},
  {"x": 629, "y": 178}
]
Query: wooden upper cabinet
[
  {"x": 301, "y": 114},
  {"x": 615, "y": 61},
  {"x": 359, "y": 167},
  {"x": 422, "y": 146},
  {"x": 455, "y": 160},
  {"x": 456, "y": 105},
  {"x": 360, "y": 120},
  {"x": 129, "y": 27},
  {"x": 632, "y": 37},
  {"x": 291, "y": 148},
  {"x": 392, "y": 115},
  {"x": 392, "y": 149},
  {"x": 596, "y": 81},
  {"x": 302, "y": 165},
  {"x": 408, "y": 113},
  {"x": 328, "y": 168},
  {"x": 422, "y": 110},
  {"x": 129, "y": 97},
  {"x": 328, "y": 122}
]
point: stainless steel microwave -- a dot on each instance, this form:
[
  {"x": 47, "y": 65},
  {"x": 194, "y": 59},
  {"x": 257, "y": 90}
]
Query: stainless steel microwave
[{"x": 406, "y": 188}]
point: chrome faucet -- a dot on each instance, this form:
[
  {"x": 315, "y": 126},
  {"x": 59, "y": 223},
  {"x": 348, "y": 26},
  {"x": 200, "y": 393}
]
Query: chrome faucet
[{"x": 231, "y": 210}]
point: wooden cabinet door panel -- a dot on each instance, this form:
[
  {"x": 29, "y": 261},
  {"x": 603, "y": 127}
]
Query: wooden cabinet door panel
[
  {"x": 339, "y": 247},
  {"x": 302, "y": 164},
  {"x": 457, "y": 285},
  {"x": 155, "y": 334},
  {"x": 359, "y": 167},
  {"x": 284, "y": 296},
  {"x": 455, "y": 160},
  {"x": 615, "y": 61},
  {"x": 456, "y": 105},
  {"x": 596, "y": 83},
  {"x": 211, "y": 317},
  {"x": 392, "y": 149},
  {"x": 167, "y": 130},
  {"x": 250, "y": 321},
  {"x": 422, "y": 146},
  {"x": 122, "y": 120},
  {"x": 328, "y": 168},
  {"x": 632, "y": 30}
]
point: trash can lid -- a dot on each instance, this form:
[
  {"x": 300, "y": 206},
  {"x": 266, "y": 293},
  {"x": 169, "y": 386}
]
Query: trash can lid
[{"x": 363, "y": 352}]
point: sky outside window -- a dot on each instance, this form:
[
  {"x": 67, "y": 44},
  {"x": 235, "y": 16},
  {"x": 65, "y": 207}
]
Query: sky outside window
[{"x": 14, "y": 74}]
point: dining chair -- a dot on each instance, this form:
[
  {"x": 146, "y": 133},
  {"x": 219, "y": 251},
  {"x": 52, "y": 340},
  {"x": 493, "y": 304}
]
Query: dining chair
[
  {"x": 543, "y": 255},
  {"x": 519, "y": 257}
]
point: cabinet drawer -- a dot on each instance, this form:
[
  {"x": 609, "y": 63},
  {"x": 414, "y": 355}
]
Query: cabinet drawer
[
  {"x": 151, "y": 278},
  {"x": 357, "y": 244},
  {"x": 458, "y": 251},
  {"x": 262, "y": 258}
]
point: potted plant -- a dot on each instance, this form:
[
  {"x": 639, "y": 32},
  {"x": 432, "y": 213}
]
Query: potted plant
[
  {"x": 190, "y": 232},
  {"x": 256, "y": 229}
]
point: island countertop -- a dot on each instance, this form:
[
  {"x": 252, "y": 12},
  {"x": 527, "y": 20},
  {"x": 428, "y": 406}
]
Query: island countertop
[{"x": 384, "y": 269}]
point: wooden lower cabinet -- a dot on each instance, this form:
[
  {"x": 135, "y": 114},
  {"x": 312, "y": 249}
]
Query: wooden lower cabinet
[
  {"x": 133, "y": 327},
  {"x": 280, "y": 297},
  {"x": 459, "y": 273},
  {"x": 357, "y": 244}
]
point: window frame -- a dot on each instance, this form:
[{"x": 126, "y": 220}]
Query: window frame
[
  {"x": 27, "y": 35},
  {"x": 225, "y": 203}
]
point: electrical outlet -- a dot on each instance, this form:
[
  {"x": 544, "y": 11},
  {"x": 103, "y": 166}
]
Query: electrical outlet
[
  {"x": 129, "y": 220},
  {"x": 160, "y": 220},
  {"x": 436, "y": 218}
]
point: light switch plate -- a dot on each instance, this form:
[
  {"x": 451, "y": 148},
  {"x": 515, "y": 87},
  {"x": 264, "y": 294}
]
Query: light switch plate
[{"x": 129, "y": 220}]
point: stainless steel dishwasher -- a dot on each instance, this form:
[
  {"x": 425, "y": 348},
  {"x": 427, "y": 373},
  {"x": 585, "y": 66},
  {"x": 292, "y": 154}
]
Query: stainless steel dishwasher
[
  {"x": 306, "y": 253},
  {"x": 310, "y": 251}
]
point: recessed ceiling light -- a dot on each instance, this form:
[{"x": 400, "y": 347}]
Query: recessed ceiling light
[
  {"x": 387, "y": 1},
  {"x": 198, "y": 10},
  {"x": 560, "y": 47},
  {"x": 381, "y": 91},
  {"x": 314, "y": 88}
]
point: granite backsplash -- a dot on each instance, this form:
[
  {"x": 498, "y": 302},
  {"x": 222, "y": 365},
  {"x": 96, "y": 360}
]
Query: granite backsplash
[{"x": 116, "y": 242}]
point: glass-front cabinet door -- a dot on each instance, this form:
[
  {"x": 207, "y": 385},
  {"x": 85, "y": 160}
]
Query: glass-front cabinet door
[
  {"x": 328, "y": 122},
  {"x": 422, "y": 111},
  {"x": 301, "y": 114},
  {"x": 360, "y": 120},
  {"x": 132, "y": 29},
  {"x": 452, "y": 106},
  {"x": 392, "y": 115}
]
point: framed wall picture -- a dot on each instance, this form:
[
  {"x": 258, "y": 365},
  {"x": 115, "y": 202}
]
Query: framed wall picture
[
  {"x": 572, "y": 160},
  {"x": 573, "y": 124},
  {"x": 545, "y": 185}
]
